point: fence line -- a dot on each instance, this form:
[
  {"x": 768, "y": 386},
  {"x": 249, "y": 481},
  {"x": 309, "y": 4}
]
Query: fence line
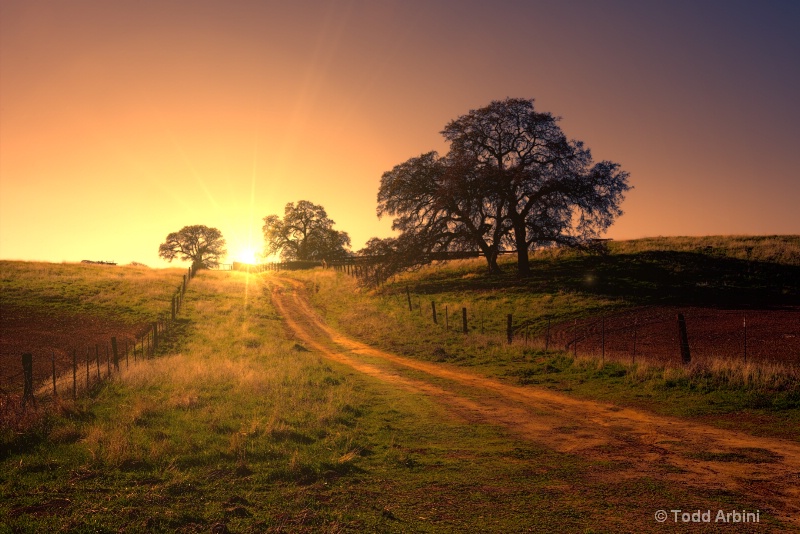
[
  {"x": 678, "y": 338},
  {"x": 98, "y": 365},
  {"x": 665, "y": 335}
]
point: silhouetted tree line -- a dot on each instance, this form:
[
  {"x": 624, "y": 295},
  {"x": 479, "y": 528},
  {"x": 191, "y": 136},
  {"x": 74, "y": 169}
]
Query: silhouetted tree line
[{"x": 511, "y": 181}]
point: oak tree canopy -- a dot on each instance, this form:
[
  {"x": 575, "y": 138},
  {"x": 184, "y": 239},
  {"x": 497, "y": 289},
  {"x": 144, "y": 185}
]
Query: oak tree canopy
[
  {"x": 305, "y": 233},
  {"x": 511, "y": 181},
  {"x": 203, "y": 246}
]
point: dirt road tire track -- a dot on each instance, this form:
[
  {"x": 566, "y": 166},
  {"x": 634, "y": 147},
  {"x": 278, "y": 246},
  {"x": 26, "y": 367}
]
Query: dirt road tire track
[{"x": 766, "y": 470}]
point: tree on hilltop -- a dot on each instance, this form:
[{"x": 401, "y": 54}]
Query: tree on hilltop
[
  {"x": 305, "y": 233},
  {"x": 203, "y": 246},
  {"x": 510, "y": 181}
]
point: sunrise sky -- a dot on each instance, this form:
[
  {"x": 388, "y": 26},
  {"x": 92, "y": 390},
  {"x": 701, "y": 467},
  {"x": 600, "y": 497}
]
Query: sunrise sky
[{"x": 122, "y": 121}]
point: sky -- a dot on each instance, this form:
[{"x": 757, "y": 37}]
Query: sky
[{"x": 123, "y": 121}]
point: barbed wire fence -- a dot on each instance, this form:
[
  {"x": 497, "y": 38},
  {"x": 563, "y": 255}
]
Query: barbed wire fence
[
  {"x": 47, "y": 375},
  {"x": 665, "y": 335}
]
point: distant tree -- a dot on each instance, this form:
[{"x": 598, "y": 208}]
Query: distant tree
[
  {"x": 305, "y": 233},
  {"x": 511, "y": 180},
  {"x": 203, "y": 246}
]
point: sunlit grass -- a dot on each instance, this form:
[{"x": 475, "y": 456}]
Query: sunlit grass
[
  {"x": 237, "y": 401},
  {"x": 241, "y": 429},
  {"x": 713, "y": 385},
  {"x": 128, "y": 293},
  {"x": 779, "y": 249}
]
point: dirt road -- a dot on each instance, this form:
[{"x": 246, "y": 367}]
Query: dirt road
[{"x": 683, "y": 452}]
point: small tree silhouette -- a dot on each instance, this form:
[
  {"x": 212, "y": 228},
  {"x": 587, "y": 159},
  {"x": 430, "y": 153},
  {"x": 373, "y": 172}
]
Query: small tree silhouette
[
  {"x": 305, "y": 233},
  {"x": 202, "y": 245}
]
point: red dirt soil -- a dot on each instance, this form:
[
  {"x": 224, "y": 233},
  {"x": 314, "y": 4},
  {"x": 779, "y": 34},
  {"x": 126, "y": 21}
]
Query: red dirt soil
[
  {"x": 24, "y": 331},
  {"x": 772, "y": 335}
]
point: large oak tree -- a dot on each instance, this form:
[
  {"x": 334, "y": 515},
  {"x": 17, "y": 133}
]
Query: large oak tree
[
  {"x": 440, "y": 205},
  {"x": 203, "y": 246},
  {"x": 511, "y": 180}
]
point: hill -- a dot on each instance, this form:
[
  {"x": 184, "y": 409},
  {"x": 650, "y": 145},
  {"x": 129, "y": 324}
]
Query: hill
[{"x": 55, "y": 308}]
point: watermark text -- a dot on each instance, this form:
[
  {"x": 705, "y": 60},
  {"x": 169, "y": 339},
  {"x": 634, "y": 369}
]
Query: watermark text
[{"x": 708, "y": 516}]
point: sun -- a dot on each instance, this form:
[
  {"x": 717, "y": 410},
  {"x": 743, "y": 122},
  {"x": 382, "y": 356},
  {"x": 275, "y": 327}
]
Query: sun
[{"x": 247, "y": 255}]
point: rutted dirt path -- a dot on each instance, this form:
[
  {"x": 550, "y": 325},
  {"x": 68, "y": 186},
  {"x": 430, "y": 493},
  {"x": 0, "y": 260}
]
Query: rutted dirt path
[{"x": 767, "y": 470}]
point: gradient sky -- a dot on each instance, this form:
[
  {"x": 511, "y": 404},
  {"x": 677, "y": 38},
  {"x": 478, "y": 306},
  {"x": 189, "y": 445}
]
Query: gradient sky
[{"x": 122, "y": 121}]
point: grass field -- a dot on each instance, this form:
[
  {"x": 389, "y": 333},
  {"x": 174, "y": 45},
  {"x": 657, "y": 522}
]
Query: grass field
[
  {"x": 51, "y": 310},
  {"x": 129, "y": 294},
  {"x": 763, "y": 397},
  {"x": 240, "y": 427}
]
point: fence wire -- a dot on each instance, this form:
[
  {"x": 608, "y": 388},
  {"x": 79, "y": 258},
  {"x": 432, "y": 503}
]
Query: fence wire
[{"x": 73, "y": 372}]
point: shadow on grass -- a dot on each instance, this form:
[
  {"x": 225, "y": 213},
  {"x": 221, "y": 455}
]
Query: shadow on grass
[
  {"x": 305, "y": 475},
  {"x": 652, "y": 277}
]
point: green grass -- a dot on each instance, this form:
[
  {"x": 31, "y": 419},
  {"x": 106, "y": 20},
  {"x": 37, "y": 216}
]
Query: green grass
[
  {"x": 239, "y": 427},
  {"x": 567, "y": 286},
  {"x": 130, "y": 294}
]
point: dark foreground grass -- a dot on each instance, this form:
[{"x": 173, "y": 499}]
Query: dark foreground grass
[{"x": 245, "y": 431}]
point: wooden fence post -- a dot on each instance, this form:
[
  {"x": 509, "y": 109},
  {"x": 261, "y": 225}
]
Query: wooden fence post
[
  {"x": 408, "y": 295},
  {"x": 155, "y": 338},
  {"x": 108, "y": 362},
  {"x": 27, "y": 371},
  {"x": 464, "y": 319},
  {"x": 116, "y": 353},
  {"x": 683, "y": 339},
  {"x": 53, "y": 360},
  {"x": 173, "y": 307},
  {"x": 744, "y": 326},
  {"x": 97, "y": 356},
  {"x": 575, "y": 342},
  {"x": 509, "y": 331},
  {"x": 74, "y": 374},
  {"x": 433, "y": 312},
  {"x": 603, "y": 340},
  {"x": 547, "y": 336}
]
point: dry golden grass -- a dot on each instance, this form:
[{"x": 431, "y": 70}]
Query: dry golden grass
[
  {"x": 782, "y": 249},
  {"x": 235, "y": 376}
]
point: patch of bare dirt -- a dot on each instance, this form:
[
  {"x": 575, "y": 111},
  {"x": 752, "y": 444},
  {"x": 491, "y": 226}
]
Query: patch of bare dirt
[
  {"x": 766, "y": 470},
  {"x": 43, "y": 335},
  {"x": 652, "y": 333}
]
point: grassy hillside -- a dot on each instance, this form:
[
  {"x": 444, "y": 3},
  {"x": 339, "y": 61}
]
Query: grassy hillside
[
  {"x": 714, "y": 271},
  {"x": 717, "y": 272},
  {"x": 244, "y": 430},
  {"x": 568, "y": 287},
  {"x": 241, "y": 428},
  {"x": 124, "y": 293},
  {"x": 55, "y": 310}
]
